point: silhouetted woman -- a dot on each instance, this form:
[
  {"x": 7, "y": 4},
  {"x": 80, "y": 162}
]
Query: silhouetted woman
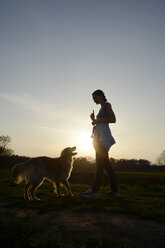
[{"x": 102, "y": 141}]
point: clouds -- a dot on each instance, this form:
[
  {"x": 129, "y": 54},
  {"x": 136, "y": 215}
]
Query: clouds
[
  {"x": 38, "y": 127},
  {"x": 25, "y": 101},
  {"x": 42, "y": 114}
]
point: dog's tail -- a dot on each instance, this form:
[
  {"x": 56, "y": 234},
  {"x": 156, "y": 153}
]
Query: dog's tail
[{"x": 17, "y": 173}]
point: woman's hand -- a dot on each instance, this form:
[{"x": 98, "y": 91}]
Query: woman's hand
[
  {"x": 92, "y": 116},
  {"x": 95, "y": 121}
]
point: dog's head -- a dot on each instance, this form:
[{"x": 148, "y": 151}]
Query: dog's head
[{"x": 69, "y": 152}]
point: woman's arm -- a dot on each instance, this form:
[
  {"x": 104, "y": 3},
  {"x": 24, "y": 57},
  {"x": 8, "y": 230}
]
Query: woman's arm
[{"x": 111, "y": 116}]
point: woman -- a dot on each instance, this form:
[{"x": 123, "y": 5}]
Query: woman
[{"x": 102, "y": 141}]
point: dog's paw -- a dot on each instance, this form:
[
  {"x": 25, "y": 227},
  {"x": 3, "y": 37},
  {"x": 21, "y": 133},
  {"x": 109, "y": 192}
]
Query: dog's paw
[
  {"x": 36, "y": 199},
  {"x": 71, "y": 195},
  {"x": 61, "y": 195},
  {"x": 26, "y": 198}
]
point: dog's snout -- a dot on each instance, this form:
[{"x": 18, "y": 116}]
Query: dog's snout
[{"x": 73, "y": 148}]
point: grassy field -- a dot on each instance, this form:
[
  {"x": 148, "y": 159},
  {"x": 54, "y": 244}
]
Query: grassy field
[{"x": 22, "y": 224}]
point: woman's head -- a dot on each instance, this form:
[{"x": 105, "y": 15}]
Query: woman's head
[{"x": 98, "y": 96}]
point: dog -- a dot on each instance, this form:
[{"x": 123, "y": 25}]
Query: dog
[{"x": 35, "y": 170}]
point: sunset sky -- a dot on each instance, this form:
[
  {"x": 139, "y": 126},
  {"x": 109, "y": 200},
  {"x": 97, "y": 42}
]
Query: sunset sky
[{"x": 54, "y": 54}]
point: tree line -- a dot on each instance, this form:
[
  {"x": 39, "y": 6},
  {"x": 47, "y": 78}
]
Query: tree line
[
  {"x": 82, "y": 164},
  {"x": 8, "y": 159}
]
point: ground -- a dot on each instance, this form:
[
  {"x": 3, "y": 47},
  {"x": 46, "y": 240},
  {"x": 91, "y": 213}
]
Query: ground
[
  {"x": 136, "y": 220},
  {"x": 132, "y": 232}
]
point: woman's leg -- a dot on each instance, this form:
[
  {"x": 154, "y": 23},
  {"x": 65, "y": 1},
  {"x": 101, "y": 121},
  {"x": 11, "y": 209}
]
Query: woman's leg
[
  {"x": 110, "y": 171},
  {"x": 99, "y": 172}
]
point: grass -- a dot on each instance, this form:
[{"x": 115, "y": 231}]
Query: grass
[{"x": 141, "y": 199}]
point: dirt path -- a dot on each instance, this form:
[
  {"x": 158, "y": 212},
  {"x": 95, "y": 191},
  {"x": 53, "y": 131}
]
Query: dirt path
[{"x": 124, "y": 229}]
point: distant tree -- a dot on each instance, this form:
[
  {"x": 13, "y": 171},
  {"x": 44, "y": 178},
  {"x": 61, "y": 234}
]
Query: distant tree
[
  {"x": 161, "y": 159},
  {"x": 83, "y": 165},
  {"x": 144, "y": 162},
  {"x": 4, "y": 142}
]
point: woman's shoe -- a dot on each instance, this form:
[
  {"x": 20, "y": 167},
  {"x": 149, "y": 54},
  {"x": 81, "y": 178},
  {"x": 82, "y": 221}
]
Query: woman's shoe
[
  {"x": 90, "y": 194},
  {"x": 114, "y": 194}
]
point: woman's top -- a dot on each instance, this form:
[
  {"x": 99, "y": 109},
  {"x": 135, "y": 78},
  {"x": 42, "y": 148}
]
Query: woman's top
[{"x": 101, "y": 131}]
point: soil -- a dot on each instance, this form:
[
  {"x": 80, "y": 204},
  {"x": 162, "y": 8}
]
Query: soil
[{"x": 125, "y": 229}]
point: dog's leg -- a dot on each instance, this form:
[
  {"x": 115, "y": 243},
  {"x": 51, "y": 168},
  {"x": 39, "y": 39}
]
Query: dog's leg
[
  {"x": 26, "y": 191},
  {"x": 58, "y": 189},
  {"x": 32, "y": 191},
  {"x": 67, "y": 186}
]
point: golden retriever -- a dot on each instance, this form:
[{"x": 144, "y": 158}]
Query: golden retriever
[{"x": 35, "y": 170}]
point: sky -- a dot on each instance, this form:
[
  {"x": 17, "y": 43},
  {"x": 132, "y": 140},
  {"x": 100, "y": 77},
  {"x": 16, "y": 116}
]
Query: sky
[{"x": 55, "y": 53}]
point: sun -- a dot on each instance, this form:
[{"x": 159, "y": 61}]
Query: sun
[{"x": 84, "y": 143}]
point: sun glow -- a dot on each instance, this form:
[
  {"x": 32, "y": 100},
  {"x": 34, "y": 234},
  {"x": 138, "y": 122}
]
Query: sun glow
[{"x": 84, "y": 143}]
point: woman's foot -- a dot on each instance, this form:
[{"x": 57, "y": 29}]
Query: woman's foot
[
  {"x": 114, "y": 194},
  {"x": 90, "y": 194}
]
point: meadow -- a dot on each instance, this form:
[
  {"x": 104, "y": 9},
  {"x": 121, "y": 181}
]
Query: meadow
[{"x": 134, "y": 220}]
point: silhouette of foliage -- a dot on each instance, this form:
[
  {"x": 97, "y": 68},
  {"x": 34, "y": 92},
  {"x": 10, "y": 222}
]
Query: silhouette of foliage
[
  {"x": 4, "y": 142},
  {"x": 161, "y": 159},
  {"x": 83, "y": 165}
]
